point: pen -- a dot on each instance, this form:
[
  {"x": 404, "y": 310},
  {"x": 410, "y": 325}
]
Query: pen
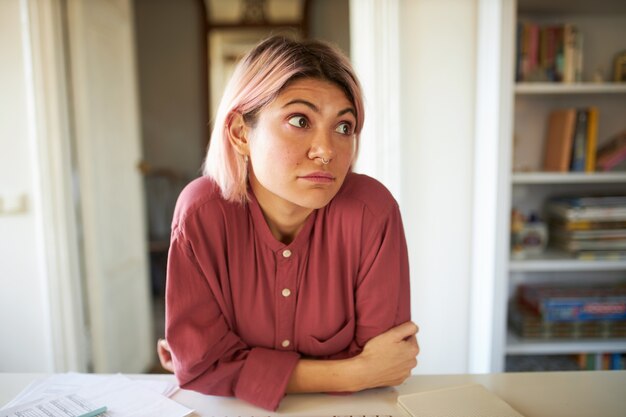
[{"x": 95, "y": 412}]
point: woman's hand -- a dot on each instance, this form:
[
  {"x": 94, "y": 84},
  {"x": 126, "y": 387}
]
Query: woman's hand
[
  {"x": 165, "y": 355},
  {"x": 388, "y": 358}
]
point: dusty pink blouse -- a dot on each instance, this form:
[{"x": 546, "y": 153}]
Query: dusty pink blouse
[{"x": 242, "y": 307}]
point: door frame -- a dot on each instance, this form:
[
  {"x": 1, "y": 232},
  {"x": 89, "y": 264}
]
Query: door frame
[{"x": 56, "y": 201}]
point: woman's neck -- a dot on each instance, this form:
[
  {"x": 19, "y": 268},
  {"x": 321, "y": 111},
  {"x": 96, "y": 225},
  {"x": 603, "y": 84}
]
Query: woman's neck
[{"x": 284, "y": 219}]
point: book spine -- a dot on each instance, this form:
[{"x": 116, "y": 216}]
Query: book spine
[
  {"x": 592, "y": 138},
  {"x": 533, "y": 51},
  {"x": 525, "y": 50},
  {"x": 616, "y": 361},
  {"x": 580, "y": 142},
  {"x": 543, "y": 51},
  {"x": 551, "y": 54},
  {"x": 559, "y": 59},
  {"x": 578, "y": 56},
  {"x": 519, "y": 72},
  {"x": 569, "y": 53}
]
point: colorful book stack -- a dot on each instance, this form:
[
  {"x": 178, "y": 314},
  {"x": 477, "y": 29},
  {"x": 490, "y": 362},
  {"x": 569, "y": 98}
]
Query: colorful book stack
[
  {"x": 570, "y": 145},
  {"x": 549, "y": 311},
  {"x": 592, "y": 227},
  {"x": 549, "y": 53}
]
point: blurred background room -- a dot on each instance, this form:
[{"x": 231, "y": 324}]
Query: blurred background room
[{"x": 498, "y": 125}]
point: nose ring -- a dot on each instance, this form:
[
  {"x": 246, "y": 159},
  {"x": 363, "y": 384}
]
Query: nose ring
[{"x": 325, "y": 161}]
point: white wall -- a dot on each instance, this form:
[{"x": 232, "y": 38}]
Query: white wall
[
  {"x": 420, "y": 144},
  {"x": 24, "y": 317},
  {"x": 437, "y": 78}
]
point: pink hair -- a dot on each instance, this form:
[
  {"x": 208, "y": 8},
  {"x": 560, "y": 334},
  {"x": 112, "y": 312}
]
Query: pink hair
[{"x": 257, "y": 80}]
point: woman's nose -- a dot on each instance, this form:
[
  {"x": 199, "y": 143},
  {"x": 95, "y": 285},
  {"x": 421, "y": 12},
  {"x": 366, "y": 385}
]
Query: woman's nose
[{"x": 322, "y": 147}]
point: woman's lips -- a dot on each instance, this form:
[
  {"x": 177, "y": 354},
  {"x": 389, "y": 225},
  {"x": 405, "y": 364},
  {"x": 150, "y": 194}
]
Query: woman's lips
[{"x": 322, "y": 177}]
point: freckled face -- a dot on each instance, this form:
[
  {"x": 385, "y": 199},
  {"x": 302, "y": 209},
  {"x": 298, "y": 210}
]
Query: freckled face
[{"x": 311, "y": 122}]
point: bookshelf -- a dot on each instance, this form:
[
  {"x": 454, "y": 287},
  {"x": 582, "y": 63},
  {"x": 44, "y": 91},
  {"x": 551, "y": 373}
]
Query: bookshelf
[{"x": 603, "y": 25}]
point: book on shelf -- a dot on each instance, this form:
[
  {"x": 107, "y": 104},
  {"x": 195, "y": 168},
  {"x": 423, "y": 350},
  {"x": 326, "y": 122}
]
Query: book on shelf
[
  {"x": 593, "y": 209},
  {"x": 603, "y": 244},
  {"x": 527, "y": 324},
  {"x": 602, "y": 255},
  {"x": 601, "y": 361},
  {"x": 572, "y": 225},
  {"x": 592, "y": 139},
  {"x": 548, "y": 53},
  {"x": 561, "y": 125},
  {"x": 589, "y": 234},
  {"x": 613, "y": 154},
  {"x": 571, "y": 140},
  {"x": 590, "y": 227},
  {"x": 579, "y": 142},
  {"x": 563, "y": 303}
]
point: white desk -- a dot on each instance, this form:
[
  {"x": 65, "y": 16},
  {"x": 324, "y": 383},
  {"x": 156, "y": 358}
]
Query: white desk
[{"x": 550, "y": 394}]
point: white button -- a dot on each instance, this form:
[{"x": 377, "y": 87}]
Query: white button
[
  {"x": 286, "y": 343},
  {"x": 286, "y": 292},
  {"x": 286, "y": 253}
]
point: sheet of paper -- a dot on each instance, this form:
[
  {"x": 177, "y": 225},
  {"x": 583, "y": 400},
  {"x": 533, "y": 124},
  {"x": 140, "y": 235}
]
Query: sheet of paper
[
  {"x": 122, "y": 395},
  {"x": 61, "y": 406},
  {"x": 464, "y": 401},
  {"x": 67, "y": 383},
  {"x": 131, "y": 399}
]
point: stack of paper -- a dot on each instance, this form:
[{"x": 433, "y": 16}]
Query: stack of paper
[{"x": 75, "y": 394}]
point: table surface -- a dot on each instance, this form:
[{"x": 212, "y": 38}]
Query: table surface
[{"x": 533, "y": 394}]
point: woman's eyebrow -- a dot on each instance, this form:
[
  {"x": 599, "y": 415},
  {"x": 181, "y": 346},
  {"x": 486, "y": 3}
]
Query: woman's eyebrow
[
  {"x": 316, "y": 109},
  {"x": 347, "y": 110},
  {"x": 305, "y": 102}
]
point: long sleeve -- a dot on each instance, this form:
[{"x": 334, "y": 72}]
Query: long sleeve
[
  {"x": 382, "y": 292},
  {"x": 208, "y": 356}
]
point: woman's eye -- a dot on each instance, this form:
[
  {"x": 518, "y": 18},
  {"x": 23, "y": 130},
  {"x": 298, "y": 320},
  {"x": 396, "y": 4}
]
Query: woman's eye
[
  {"x": 344, "y": 128},
  {"x": 298, "y": 121}
]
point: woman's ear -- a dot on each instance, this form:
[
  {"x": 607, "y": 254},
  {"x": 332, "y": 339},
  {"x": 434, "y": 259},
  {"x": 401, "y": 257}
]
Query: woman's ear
[{"x": 238, "y": 134}]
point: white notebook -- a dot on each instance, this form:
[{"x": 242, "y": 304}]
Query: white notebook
[{"x": 472, "y": 400}]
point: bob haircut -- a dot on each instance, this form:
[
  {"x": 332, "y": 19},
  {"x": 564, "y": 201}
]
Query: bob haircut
[{"x": 258, "y": 79}]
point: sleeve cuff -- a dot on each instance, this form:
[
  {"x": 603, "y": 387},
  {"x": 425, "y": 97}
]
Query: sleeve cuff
[{"x": 264, "y": 377}]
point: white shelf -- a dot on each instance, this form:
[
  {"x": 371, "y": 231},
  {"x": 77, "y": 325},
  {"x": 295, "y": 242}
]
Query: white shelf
[
  {"x": 568, "y": 178},
  {"x": 575, "y": 88},
  {"x": 555, "y": 265},
  {"x": 519, "y": 346}
]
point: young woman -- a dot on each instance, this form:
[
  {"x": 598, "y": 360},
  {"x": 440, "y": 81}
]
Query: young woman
[{"x": 287, "y": 272}]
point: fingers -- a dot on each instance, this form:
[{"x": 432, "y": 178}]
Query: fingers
[
  {"x": 404, "y": 331},
  {"x": 162, "y": 344},
  {"x": 165, "y": 355}
]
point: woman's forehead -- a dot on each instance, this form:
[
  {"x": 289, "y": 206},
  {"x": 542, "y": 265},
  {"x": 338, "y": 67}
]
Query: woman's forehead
[{"x": 314, "y": 89}]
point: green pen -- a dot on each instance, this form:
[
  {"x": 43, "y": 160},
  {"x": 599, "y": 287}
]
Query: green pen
[{"x": 94, "y": 413}]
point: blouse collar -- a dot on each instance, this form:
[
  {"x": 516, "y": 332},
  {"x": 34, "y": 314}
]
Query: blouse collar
[{"x": 263, "y": 230}]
